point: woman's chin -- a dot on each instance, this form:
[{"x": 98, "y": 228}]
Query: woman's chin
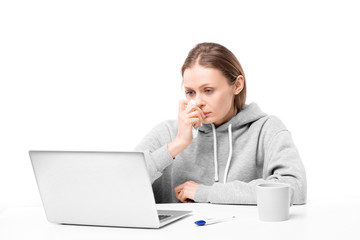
[{"x": 207, "y": 121}]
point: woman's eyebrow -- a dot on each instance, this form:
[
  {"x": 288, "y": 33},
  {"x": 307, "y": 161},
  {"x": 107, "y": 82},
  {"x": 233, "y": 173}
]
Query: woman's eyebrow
[{"x": 201, "y": 86}]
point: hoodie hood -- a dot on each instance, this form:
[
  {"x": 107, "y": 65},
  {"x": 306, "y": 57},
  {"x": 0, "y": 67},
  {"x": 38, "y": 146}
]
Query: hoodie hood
[{"x": 248, "y": 114}]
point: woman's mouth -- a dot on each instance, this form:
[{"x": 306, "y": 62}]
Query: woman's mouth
[{"x": 206, "y": 113}]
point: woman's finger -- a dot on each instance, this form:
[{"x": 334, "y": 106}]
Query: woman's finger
[
  {"x": 195, "y": 122},
  {"x": 178, "y": 189},
  {"x": 182, "y": 105},
  {"x": 182, "y": 196},
  {"x": 179, "y": 196},
  {"x": 196, "y": 109},
  {"x": 196, "y": 115}
]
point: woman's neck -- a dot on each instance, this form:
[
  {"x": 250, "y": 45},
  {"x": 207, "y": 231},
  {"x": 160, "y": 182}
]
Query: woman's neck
[{"x": 228, "y": 116}]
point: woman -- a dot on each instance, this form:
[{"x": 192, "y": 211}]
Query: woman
[{"x": 237, "y": 146}]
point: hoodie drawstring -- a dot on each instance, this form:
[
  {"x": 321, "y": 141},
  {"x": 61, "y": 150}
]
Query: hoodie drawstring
[
  {"x": 216, "y": 177},
  {"x": 230, "y": 155}
]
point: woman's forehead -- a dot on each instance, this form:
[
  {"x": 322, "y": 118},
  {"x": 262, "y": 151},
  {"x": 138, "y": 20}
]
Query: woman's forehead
[{"x": 199, "y": 76}]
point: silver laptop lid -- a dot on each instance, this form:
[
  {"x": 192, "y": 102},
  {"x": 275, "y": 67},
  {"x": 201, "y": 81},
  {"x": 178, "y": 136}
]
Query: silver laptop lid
[{"x": 95, "y": 188}]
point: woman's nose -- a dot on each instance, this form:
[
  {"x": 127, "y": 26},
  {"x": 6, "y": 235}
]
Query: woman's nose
[{"x": 199, "y": 101}]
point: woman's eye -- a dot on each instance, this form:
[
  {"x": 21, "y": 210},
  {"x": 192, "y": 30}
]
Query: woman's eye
[
  {"x": 190, "y": 93},
  {"x": 208, "y": 90}
]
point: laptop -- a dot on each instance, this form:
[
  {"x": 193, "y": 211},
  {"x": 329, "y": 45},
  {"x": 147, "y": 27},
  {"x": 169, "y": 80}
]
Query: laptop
[{"x": 98, "y": 189}]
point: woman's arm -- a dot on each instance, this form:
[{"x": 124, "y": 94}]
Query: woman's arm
[
  {"x": 154, "y": 147},
  {"x": 161, "y": 145}
]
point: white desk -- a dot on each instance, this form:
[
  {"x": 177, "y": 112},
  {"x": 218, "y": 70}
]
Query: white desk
[{"x": 336, "y": 219}]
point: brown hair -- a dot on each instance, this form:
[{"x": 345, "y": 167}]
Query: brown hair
[{"x": 216, "y": 56}]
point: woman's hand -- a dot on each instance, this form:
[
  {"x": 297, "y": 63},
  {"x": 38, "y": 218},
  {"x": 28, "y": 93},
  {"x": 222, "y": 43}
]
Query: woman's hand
[
  {"x": 186, "y": 192},
  {"x": 188, "y": 117}
]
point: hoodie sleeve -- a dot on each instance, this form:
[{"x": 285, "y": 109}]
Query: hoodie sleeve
[
  {"x": 154, "y": 147},
  {"x": 282, "y": 163}
]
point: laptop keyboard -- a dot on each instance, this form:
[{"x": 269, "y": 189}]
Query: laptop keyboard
[{"x": 162, "y": 217}]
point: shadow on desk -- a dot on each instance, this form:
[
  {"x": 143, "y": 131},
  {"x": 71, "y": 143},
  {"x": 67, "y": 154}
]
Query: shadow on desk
[{"x": 296, "y": 216}]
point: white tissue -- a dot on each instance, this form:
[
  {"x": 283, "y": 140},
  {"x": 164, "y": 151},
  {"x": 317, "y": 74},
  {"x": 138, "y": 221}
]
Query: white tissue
[{"x": 195, "y": 131}]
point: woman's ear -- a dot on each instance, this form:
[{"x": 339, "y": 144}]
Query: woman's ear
[{"x": 238, "y": 85}]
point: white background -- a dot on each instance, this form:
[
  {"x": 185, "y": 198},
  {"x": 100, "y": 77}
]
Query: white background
[{"x": 98, "y": 75}]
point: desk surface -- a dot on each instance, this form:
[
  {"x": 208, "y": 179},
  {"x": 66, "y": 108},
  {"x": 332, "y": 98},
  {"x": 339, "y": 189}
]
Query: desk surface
[{"x": 337, "y": 219}]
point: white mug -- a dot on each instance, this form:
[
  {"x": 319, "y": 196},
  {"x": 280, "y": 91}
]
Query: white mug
[{"x": 273, "y": 201}]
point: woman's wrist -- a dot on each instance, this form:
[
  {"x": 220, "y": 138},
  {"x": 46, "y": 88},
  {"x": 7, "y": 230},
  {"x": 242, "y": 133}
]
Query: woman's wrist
[{"x": 176, "y": 147}]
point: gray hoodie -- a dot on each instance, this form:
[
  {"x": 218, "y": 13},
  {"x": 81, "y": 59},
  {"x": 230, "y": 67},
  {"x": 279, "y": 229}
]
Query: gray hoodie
[{"x": 227, "y": 161}]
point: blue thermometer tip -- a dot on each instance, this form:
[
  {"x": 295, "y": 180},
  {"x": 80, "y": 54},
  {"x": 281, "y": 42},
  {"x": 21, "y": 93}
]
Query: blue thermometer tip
[{"x": 200, "y": 223}]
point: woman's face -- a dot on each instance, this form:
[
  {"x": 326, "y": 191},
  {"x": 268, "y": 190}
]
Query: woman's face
[{"x": 212, "y": 93}]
